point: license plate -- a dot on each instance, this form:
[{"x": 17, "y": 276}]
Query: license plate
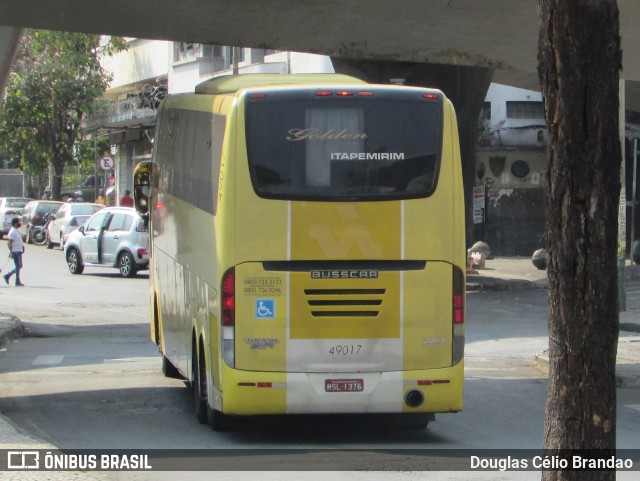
[{"x": 344, "y": 385}]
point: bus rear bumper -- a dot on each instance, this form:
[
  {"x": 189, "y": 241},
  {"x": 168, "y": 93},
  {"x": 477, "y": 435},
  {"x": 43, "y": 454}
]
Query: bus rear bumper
[{"x": 423, "y": 391}]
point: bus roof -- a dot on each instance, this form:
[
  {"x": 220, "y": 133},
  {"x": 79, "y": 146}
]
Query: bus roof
[{"x": 232, "y": 83}]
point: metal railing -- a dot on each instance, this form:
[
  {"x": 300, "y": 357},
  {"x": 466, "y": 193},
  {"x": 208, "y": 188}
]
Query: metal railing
[{"x": 139, "y": 105}]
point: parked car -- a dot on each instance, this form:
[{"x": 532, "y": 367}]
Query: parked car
[
  {"x": 86, "y": 189},
  {"x": 34, "y": 218},
  {"x": 10, "y": 207},
  {"x": 114, "y": 237},
  {"x": 67, "y": 218}
]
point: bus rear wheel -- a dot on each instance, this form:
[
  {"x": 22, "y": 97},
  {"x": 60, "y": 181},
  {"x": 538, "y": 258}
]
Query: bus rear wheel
[
  {"x": 169, "y": 370},
  {"x": 199, "y": 386},
  {"x": 218, "y": 421}
]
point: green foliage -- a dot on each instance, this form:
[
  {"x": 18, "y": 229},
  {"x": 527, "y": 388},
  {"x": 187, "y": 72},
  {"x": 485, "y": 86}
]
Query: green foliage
[{"x": 55, "y": 83}]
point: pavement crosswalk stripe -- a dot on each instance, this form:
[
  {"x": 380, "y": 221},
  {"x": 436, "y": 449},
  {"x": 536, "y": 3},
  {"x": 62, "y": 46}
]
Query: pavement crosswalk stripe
[{"x": 47, "y": 360}]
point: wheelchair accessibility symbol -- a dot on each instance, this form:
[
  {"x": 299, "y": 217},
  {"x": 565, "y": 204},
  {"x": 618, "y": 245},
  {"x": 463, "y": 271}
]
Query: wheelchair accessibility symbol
[{"x": 265, "y": 308}]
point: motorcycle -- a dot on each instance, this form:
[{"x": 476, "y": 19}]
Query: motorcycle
[{"x": 40, "y": 233}]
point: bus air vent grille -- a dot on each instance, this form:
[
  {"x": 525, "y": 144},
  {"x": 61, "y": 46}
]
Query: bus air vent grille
[{"x": 344, "y": 302}]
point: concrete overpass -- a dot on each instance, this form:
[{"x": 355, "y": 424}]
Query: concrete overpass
[
  {"x": 459, "y": 46},
  {"x": 496, "y": 34}
]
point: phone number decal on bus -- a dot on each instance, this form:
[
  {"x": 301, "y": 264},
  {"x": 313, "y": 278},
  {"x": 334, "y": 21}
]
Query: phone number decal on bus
[{"x": 259, "y": 286}]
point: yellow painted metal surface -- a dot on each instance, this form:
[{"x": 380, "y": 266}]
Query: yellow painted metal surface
[{"x": 402, "y": 334}]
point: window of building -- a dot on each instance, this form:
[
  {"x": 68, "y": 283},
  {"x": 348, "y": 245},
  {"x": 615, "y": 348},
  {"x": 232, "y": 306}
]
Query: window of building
[
  {"x": 186, "y": 50},
  {"x": 485, "y": 113},
  {"x": 525, "y": 110}
]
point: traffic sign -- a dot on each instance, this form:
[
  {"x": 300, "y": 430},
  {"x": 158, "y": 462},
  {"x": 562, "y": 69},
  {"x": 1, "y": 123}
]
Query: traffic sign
[{"x": 106, "y": 163}]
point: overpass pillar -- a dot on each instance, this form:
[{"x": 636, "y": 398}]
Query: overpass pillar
[{"x": 465, "y": 86}]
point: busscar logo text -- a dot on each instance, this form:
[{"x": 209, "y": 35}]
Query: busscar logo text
[{"x": 344, "y": 274}]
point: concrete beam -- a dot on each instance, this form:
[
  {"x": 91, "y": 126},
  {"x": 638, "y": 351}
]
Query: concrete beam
[{"x": 9, "y": 40}]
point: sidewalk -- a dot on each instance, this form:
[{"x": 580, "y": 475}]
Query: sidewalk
[
  {"x": 500, "y": 274},
  {"x": 518, "y": 273}
]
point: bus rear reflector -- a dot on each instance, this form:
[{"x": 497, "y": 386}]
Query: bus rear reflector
[
  {"x": 344, "y": 93},
  {"x": 323, "y": 93},
  {"x": 430, "y": 96}
]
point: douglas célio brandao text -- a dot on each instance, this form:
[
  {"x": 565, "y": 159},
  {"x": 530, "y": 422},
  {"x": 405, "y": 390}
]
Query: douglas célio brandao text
[{"x": 569, "y": 462}]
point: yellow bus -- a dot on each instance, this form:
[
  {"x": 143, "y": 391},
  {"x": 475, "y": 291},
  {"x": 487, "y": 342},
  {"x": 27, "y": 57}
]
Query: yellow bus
[{"x": 307, "y": 247}]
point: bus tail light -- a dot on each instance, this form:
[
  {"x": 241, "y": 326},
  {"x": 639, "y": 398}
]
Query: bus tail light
[
  {"x": 228, "y": 316},
  {"x": 458, "y": 294},
  {"x": 141, "y": 226}
]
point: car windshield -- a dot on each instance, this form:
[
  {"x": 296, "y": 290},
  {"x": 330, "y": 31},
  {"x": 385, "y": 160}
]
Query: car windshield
[
  {"x": 42, "y": 208},
  {"x": 20, "y": 203},
  {"x": 78, "y": 220},
  {"x": 85, "y": 209}
]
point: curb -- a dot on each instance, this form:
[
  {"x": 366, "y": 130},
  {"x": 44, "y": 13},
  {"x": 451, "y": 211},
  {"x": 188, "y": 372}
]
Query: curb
[
  {"x": 10, "y": 328},
  {"x": 480, "y": 283},
  {"x": 542, "y": 361}
]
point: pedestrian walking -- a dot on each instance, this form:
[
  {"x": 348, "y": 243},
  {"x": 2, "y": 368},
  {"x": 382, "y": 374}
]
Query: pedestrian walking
[
  {"x": 126, "y": 200},
  {"x": 102, "y": 199},
  {"x": 16, "y": 250}
]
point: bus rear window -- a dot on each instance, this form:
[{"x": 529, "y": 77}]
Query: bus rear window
[{"x": 327, "y": 148}]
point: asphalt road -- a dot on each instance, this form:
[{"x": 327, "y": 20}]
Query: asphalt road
[{"x": 86, "y": 375}]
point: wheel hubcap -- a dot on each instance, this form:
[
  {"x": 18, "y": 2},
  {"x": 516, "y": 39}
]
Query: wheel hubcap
[
  {"x": 125, "y": 265},
  {"x": 73, "y": 261}
]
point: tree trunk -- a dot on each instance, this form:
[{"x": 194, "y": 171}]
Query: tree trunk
[{"x": 579, "y": 62}]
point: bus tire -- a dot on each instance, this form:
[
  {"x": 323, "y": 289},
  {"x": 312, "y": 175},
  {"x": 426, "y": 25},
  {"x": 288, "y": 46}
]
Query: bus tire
[
  {"x": 199, "y": 386},
  {"x": 420, "y": 422},
  {"x": 169, "y": 370},
  {"x": 218, "y": 421}
]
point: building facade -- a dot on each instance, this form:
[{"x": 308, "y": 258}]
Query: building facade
[
  {"x": 150, "y": 69},
  {"x": 509, "y": 197}
]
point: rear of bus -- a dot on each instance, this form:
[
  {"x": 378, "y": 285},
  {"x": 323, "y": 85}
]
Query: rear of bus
[{"x": 346, "y": 290}]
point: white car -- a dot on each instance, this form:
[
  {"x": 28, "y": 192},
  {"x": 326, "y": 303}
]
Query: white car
[
  {"x": 113, "y": 237},
  {"x": 10, "y": 207},
  {"x": 66, "y": 219}
]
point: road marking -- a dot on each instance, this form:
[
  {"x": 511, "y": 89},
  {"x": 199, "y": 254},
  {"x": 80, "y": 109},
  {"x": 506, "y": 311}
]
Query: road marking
[
  {"x": 125, "y": 359},
  {"x": 635, "y": 407},
  {"x": 47, "y": 360},
  {"x": 466, "y": 368}
]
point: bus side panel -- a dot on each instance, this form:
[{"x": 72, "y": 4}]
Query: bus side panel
[{"x": 184, "y": 261}]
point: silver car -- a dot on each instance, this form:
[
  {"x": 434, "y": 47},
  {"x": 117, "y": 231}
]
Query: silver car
[
  {"x": 113, "y": 237},
  {"x": 10, "y": 207},
  {"x": 66, "y": 219}
]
